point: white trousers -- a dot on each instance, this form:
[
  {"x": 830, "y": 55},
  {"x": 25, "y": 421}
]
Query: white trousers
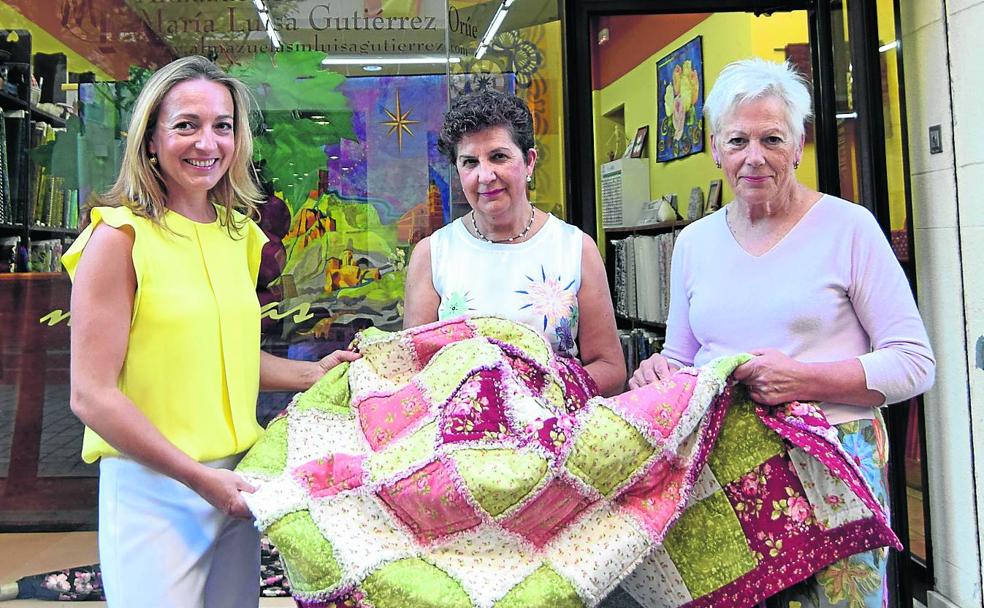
[{"x": 161, "y": 545}]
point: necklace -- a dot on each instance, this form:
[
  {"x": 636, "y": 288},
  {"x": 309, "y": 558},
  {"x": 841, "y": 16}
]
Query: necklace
[{"x": 526, "y": 230}]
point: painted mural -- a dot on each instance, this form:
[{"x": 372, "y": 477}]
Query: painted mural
[
  {"x": 351, "y": 171},
  {"x": 354, "y": 180}
]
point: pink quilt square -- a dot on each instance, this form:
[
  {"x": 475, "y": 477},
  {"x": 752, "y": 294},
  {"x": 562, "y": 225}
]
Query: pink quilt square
[
  {"x": 430, "y": 504},
  {"x": 386, "y": 418},
  {"x": 529, "y": 373},
  {"x": 659, "y": 405},
  {"x": 773, "y": 508},
  {"x": 549, "y": 513},
  {"x": 429, "y": 341},
  {"x": 331, "y": 474},
  {"x": 653, "y": 499},
  {"x": 579, "y": 387},
  {"x": 475, "y": 410}
]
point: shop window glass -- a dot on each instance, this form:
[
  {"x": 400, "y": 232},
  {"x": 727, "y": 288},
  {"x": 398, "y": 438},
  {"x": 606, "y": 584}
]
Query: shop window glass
[{"x": 345, "y": 150}]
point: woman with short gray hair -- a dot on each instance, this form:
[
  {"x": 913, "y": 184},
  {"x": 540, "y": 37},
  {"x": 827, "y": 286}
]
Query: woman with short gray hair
[{"x": 808, "y": 284}]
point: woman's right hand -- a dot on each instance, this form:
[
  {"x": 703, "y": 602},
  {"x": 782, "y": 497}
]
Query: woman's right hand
[
  {"x": 654, "y": 369},
  {"x": 221, "y": 488}
]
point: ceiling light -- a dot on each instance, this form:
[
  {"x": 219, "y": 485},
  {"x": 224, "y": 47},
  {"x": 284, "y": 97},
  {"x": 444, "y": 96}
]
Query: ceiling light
[
  {"x": 372, "y": 68},
  {"x": 888, "y": 47},
  {"x": 497, "y": 19},
  {"x": 364, "y": 60}
]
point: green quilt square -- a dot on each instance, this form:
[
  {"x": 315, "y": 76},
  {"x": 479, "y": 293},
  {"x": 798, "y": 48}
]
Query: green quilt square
[
  {"x": 744, "y": 443},
  {"x": 399, "y": 456},
  {"x": 499, "y": 478},
  {"x": 413, "y": 582},
  {"x": 607, "y": 451},
  {"x": 517, "y": 335},
  {"x": 330, "y": 393},
  {"x": 542, "y": 588},
  {"x": 268, "y": 457},
  {"x": 458, "y": 361},
  {"x": 308, "y": 556},
  {"x": 708, "y": 546}
]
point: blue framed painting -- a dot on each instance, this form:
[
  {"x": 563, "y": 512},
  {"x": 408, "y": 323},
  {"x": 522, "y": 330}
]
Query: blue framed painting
[{"x": 680, "y": 95}]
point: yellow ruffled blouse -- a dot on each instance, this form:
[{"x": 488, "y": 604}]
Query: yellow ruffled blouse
[{"x": 193, "y": 360}]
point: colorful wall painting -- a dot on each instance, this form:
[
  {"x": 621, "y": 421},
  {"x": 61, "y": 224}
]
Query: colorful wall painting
[{"x": 680, "y": 95}]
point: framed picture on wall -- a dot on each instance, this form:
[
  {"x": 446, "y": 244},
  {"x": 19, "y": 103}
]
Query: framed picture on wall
[
  {"x": 639, "y": 143},
  {"x": 680, "y": 102}
]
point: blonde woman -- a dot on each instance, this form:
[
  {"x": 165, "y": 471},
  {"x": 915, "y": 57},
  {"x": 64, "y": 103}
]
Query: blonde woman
[{"x": 165, "y": 361}]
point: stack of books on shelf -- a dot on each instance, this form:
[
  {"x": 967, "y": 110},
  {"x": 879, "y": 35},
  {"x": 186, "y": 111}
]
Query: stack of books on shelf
[
  {"x": 642, "y": 276},
  {"x": 12, "y": 124},
  {"x": 53, "y": 205},
  {"x": 638, "y": 345},
  {"x": 6, "y": 205}
]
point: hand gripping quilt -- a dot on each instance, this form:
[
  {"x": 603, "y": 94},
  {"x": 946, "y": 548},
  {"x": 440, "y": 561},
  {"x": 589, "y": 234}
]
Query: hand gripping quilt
[{"x": 461, "y": 464}]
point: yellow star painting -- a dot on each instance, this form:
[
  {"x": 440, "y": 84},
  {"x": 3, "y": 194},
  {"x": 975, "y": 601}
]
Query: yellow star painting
[{"x": 399, "y": 122}]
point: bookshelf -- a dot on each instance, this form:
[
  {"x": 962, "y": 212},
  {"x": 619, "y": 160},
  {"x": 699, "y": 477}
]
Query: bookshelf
[{"x": 37, "y": 211}]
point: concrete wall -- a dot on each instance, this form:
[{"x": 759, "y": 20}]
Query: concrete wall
[{"x": 944, "y": 83}]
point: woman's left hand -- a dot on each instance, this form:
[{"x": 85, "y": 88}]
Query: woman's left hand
[
  {"x": 771, "y": 377},
  {"x": 337, "y": 357}
]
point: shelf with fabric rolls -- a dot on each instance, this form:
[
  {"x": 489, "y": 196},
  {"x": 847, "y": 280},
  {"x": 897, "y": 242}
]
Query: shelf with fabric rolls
[{"x": 637, "y": 260}]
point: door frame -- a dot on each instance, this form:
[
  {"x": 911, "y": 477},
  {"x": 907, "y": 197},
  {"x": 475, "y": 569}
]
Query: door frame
[{"x": 904, "y": 572}]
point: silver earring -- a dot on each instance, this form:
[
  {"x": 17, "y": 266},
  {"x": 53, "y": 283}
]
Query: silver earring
[
  {"x": 796, "y": 165},
  {"x": 153, "y": 160},
  {"x": 529, "y": 178},
  {"x": 717, "y": 163}
]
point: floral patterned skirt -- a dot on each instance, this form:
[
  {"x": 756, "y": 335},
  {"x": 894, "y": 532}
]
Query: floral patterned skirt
[{"x": 858, "y": 581}]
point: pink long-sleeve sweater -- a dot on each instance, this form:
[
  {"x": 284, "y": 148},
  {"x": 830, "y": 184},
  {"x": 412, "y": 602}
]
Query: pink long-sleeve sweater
[{"x": 830, "y": 290}]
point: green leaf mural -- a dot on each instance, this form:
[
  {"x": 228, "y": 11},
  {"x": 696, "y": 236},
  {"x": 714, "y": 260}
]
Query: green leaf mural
[{"x": 302, "y": 112}]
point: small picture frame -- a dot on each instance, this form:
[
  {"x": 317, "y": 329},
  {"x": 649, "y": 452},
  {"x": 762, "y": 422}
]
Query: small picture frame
[
  {"x": 713, "y": 197},
  {"x": 696, "y": 208},
  {"x": 639, "y": 143}
]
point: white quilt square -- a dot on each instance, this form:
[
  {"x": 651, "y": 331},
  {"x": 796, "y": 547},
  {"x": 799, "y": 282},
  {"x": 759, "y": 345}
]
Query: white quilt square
[
  {"x": 486, "y": 561},
  {"x": 315, "y": 433},
  {"x": 657, "y": 583},
  {"x": 361, "y": 532},
  {"x": 833, "y": 502},
  {"x": 595, "y": 550}
]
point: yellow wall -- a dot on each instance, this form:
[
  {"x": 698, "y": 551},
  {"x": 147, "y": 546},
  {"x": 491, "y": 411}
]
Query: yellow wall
[
  {"x": 893, "y": 117},
  {"x": 43, "y": 42},
  {"x": 726, "y": 37},
  {"x": 548, "y": 103}
]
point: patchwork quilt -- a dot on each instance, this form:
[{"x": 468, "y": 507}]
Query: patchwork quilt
[{"x": 462, "y": 464}]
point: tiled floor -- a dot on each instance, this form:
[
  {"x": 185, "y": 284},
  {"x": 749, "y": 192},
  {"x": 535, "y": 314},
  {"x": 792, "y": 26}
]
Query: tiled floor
[
  {"x": 61, "y": 437},
  {"x": 24, "y": 554}
]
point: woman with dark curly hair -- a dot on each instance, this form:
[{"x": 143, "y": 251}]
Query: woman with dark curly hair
[{"x": 506, "y": 258}]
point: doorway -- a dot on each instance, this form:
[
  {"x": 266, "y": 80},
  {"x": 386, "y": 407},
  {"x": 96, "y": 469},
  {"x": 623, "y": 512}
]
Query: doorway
[{"x": 856, "y": 149}]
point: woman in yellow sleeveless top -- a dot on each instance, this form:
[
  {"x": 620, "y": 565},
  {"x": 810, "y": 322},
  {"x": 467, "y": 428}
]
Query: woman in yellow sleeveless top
[{"x": 166, "y": 360}]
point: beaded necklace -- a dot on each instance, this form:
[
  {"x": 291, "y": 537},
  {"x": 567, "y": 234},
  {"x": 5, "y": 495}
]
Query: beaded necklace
[{"x": 525, "y": 231}]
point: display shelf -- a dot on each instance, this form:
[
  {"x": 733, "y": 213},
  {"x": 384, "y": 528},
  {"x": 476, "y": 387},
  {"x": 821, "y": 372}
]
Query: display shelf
[
  {"x": 51, "y": 119},
  {"x": 9, "y": 101},
  {"x": 55, "y": 230},
  {"x": 657, "y": 227},
  {"x": 632, "y": 322},
  {"x": 28, "y": 276}
]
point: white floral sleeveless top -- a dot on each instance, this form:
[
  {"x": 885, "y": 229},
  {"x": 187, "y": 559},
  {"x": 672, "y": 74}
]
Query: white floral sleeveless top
[{"x": 534, "y": 282}]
